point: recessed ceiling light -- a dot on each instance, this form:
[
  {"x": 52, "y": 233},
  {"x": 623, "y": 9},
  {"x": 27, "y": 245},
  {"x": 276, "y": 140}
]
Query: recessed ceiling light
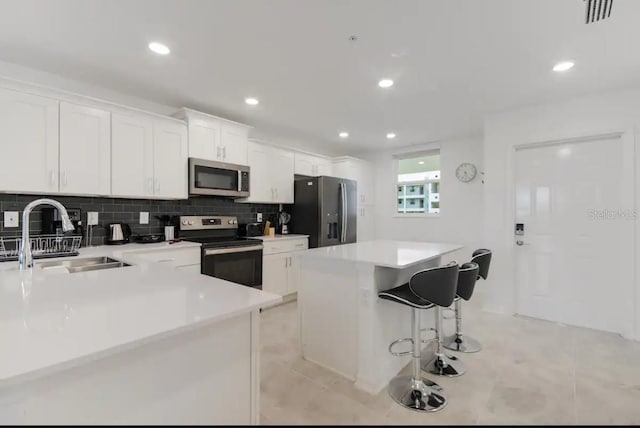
[
  {"x": 391, "y": 135},
  {"x": 385, "y": 83},
  {"x": 563, "y": 66},
  {"x": 421, "y": 162},
  {"x": 159, "y": 48},
  {"x": 343, "y": 134},
  {"x": 251, "y": 101}
]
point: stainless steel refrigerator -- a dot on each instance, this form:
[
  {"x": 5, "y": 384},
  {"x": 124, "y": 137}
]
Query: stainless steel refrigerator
[{"x": 325, "y": 209}]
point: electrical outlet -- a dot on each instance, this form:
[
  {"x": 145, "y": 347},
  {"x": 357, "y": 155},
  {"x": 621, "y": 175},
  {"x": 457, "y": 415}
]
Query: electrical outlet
[
  {"x": 11, "y": 219},
  {"x": 258, "y": 216},
  {"x": 144, "y": 217},
  {"x": 92, "y": 218}
]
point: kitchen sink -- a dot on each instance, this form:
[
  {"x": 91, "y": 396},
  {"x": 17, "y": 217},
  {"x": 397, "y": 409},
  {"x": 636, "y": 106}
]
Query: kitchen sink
[{"x": 82, "y": 265}]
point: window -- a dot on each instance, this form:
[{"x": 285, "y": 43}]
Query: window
[{"x": 418, "y": 184}]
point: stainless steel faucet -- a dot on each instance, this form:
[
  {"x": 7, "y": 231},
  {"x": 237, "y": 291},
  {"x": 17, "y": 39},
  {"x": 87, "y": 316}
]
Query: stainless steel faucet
[{"x": 25, "y": 258}]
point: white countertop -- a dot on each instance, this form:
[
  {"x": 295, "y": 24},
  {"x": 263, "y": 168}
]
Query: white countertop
[
  {"x": 387, "y": 253},
  {"x": 51, "y": 321},
  {"x": 267, "y": 238}
]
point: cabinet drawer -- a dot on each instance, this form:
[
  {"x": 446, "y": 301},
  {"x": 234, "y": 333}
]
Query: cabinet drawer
[
  {"x": 173, "y": 257},
  {"x": 285, "y": 246}
]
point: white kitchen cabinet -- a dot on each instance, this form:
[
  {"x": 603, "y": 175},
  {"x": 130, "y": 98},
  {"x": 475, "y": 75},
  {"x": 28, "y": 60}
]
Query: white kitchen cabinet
[
  {"x": 280, "y": 266},
  {"x": 313, "y": 166},
  {"x": 366, "y": 223},
  {"x": 170, "y": 158},
  {"x": 29, "y": 134},
  {"x": 148, "y": 157},
  {"x": 271, "y": 176},
  {"x": 85, "y": 150},
  {"x": 275, "y": 273},
  {"x": 234, "y": 140},
  {"x": 175, "y": 257},
  {"x": 131, "y": 155},
  {"x": 214, "y": 138}
]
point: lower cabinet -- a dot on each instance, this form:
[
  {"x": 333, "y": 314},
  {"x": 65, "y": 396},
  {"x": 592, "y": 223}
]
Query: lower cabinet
[{"x": 280, "y": 265}]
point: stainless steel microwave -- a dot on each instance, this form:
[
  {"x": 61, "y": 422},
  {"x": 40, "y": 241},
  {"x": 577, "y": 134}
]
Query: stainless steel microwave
[{"x": 210, "y": 178}]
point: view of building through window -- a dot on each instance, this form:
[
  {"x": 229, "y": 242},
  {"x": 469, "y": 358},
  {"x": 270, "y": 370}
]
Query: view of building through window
[{"x": 419, "y": 184}]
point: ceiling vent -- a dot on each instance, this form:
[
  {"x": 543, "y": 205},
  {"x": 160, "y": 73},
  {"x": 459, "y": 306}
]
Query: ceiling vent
[{"x": 597, "y": 10}]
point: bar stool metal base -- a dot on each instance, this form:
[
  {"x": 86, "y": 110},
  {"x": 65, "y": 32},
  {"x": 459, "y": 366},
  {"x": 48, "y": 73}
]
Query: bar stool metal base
[
  {"x": 462, "y": 344},
  {"x": 444, "y": 365},
  {"x": 421, "y": 395}
]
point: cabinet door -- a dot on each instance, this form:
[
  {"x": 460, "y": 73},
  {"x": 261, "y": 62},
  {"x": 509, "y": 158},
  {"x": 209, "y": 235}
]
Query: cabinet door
[
  {"x": 233, "y": 140},
  {"x": 170, "y": 157},
  {"x": 261, "y": 174},
  {"x": 292, "y": 274},
  {"x": 275, "y": 273},
  {"x": 324, "y": 167},
  {"x": 85, "y": 150},
  {"x": 204, "y": 140},
  {"x": 304, "y": 165},
  {"x": 29, "y": 134},
  {"x": 366, "y": 223},
  {"x": 131, "y": 156},
  {"x": 282, "y": 171}
]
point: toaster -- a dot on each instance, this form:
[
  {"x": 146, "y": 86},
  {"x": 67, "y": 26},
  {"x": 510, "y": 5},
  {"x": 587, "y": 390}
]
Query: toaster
[{"x": 251, "y": 229}]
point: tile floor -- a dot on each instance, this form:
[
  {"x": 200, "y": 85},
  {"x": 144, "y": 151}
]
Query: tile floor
[{"x": 529, "y": 372}]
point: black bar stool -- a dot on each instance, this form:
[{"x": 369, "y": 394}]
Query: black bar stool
[
  {"x": 434, "y": 287},
  {"x": 458, "y": 342},
  {"x": 440, "y": 363}
]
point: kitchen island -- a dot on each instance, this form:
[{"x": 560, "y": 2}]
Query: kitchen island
[
  {"x": 345, "y": 327},
  {"x": 141, "y": 344}
]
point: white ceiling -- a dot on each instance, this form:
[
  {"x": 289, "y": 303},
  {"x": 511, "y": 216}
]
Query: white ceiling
[{"x": 452, "y": 60}]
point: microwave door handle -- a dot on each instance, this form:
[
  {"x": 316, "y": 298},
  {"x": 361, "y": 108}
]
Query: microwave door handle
[{"x": 239, "y": 180}]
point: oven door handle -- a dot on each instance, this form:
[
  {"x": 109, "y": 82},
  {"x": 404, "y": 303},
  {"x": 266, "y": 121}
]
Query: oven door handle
[{"x": 213, "y": 251}]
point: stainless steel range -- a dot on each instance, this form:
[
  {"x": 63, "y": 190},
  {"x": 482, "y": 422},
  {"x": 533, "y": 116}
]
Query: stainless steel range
[{"x": 225, "y": 255}]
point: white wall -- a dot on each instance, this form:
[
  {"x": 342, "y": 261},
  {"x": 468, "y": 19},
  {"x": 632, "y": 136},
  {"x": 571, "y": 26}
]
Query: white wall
[
  {"x": 583, "y": 116},
  {"x": 460, "y": 218}
]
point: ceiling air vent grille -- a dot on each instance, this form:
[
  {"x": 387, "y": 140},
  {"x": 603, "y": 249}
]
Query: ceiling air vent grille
[{"x": 597, "y": 10}]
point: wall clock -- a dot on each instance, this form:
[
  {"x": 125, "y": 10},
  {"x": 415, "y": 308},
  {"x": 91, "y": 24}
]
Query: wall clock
[{"x": 466, "y": 172}]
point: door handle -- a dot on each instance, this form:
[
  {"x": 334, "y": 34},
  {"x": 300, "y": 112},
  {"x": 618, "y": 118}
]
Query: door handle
[
  {"x": 52, "y": 177},
  {"x": 218, "y": 152},
  {"x": 64, "y": 178},
  {"x": 224, "y": 152},
  {"x": 157, "y": 181}
]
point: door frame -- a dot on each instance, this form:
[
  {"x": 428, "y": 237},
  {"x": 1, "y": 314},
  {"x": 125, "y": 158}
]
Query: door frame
[{"x": 627, "y": 135}]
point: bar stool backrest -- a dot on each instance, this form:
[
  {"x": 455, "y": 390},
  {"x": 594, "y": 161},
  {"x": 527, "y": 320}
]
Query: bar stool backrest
[
  {"x": 467, "y": 278},
  {"x": 437, "y": 285},
  {"x": 483, "y": 258}
]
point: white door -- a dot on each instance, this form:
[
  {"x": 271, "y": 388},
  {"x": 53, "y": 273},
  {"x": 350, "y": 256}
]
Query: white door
[
  {"x": 234, "y": 144},
  {"x": 85, "y": 150},
  {"x": 204, "y": 140},
  {"x": 170, "y": 157},
  {"x": 29, "y": 134},
  {"x": 365, "y": 226},
  {"x": 275, "y": 273},
  {"x": 131, "y": 156},
  {"x": 575, "y": 264}
]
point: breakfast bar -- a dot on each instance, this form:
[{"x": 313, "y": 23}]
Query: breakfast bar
[{"x": 345, "y": 327}]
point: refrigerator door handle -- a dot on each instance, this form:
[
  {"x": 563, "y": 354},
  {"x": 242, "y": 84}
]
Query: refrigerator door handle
[{"x": 343, "y": 213}]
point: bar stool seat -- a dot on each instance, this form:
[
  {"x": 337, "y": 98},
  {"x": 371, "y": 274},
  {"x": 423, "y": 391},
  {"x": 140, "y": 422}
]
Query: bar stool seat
[{"x": 438, "y": 285}]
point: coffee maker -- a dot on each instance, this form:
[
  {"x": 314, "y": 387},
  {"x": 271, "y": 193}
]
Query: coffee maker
[{"x": 52, "y": 224}]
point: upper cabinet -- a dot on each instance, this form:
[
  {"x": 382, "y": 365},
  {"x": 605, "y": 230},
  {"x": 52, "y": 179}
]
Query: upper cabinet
[
  {"x": 170, "y": 153},
  {"x": 214, "y": 138},
  {"x": 271, "y": 175},
  {"x": 85, "y": 150},
  {"x": 310, "y": 165},
  {"x": 149, "y": 157},
  {"x": 29, "y": 134}
]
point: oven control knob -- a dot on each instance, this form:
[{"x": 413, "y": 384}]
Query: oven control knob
[
  {"x": 184, "y": 222},
  {"x": 190, "y": 223}
]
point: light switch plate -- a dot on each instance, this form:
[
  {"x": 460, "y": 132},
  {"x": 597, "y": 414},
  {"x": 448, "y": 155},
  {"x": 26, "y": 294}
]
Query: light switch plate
[
  {"x": 144, "y": 217},
  {"x": 11, "y": 219},
  {"x": 258, "y": 217},
  {"x": 92, "y": 218}
]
